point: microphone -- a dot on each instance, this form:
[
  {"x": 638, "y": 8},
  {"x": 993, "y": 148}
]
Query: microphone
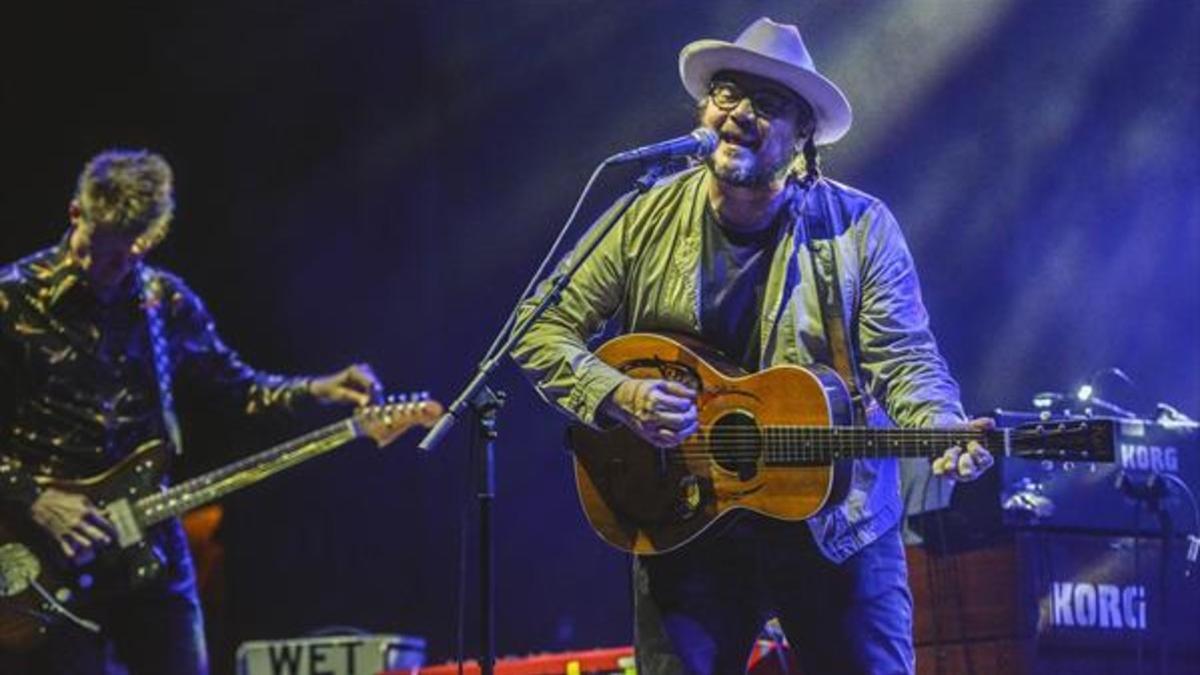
[{"x": 699, "y": 143}]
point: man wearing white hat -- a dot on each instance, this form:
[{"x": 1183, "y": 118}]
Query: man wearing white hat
[{"x": 734, "y": 253}]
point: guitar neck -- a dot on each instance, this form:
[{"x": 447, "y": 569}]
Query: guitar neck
[
  {"x": 215, "y": 484},
  {"x": 797, "y": 445}
]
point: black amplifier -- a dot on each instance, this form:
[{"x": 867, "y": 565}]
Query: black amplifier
[
  {"x": 1108, "y": 591},
  {"x": 1120, "y": 598},
  {"x": 1154, "y": 470}
]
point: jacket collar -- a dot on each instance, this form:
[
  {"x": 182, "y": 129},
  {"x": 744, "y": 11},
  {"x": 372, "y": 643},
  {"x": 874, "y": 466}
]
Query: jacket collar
[{"x": 60, "y": 278}]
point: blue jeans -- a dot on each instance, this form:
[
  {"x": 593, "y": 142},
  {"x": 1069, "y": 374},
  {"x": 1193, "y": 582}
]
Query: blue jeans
[
  {"x": 154, "y": 630},
  {"x": 700, "y": 609}
]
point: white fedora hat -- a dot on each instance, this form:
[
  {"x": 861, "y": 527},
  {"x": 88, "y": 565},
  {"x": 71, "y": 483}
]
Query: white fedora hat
[{"x": 776, "y": 52}]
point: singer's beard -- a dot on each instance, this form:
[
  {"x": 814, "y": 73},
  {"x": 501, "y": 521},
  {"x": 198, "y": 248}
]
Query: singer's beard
[{"x": 756, "y": 174}]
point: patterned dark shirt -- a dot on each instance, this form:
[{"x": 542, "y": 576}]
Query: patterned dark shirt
[{"x": 78, "y": 391}]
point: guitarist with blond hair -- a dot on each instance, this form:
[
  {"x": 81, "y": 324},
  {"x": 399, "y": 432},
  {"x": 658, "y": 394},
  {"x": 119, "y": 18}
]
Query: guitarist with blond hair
[
  {"x": 91, "y": 338},
  {"x": 735, "y": 253}
]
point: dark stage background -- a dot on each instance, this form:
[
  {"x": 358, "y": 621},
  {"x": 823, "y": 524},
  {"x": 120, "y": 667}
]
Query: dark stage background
[{"x": 375, "y": 180}]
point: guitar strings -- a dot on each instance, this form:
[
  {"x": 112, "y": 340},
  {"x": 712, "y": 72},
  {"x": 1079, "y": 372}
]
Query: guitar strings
[
  {"x": 823, "y": 444},
  {"x": 844, "y": 443}
]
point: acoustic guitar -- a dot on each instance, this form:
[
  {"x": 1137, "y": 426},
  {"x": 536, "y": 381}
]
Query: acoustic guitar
[
  {"x": 776, "y": 442},
  {"x": 39, "y": 587}
]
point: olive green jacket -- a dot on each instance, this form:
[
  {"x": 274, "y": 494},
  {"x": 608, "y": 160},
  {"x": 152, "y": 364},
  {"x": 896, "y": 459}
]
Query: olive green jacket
[{"x": 646, "y": 274}]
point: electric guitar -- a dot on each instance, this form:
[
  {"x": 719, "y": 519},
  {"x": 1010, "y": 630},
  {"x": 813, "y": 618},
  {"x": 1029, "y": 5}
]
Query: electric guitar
[
  {"x": 39, "y": 587},
  {"x": 770, "y": 442}
]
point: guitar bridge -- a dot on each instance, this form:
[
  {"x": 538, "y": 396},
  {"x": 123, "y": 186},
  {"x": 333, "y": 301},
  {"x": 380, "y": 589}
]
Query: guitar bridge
[{"x": 690, "y": 498}]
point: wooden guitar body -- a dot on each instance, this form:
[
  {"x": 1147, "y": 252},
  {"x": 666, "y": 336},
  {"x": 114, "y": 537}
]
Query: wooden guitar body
[{"x": 639, "y": 500}]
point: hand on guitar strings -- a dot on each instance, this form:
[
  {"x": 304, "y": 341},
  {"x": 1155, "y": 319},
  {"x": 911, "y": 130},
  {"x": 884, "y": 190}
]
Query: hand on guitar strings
[
  {"x": 354, "y": 384},
  {"x": 661, "y": 412},
  {"x": 959, "y": 465},
  {"x": 74, "y": 522}
]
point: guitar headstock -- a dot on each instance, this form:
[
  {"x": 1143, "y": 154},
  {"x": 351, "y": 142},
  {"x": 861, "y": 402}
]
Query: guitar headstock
[
  {"x": 1078, "y": 440},
  {"x": 387, "y": 421}
]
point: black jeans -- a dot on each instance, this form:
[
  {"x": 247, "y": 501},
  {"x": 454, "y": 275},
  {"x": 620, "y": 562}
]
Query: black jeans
[
  {"x": 155, "y": 630},
  {"x": 700, "y": 609}
]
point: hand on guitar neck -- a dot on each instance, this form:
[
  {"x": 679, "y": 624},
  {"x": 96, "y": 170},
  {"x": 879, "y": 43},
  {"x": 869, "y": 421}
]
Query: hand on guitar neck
[
  {"x": 966, "y": 465},
  {"x": 74, "y": 522},
  {"x": 661, "y": 412},
  {"x": 354, "y": 385}
]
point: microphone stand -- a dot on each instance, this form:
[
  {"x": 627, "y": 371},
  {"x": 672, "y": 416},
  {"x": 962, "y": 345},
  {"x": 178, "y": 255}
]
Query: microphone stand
[{"x": 485, "y": 404}]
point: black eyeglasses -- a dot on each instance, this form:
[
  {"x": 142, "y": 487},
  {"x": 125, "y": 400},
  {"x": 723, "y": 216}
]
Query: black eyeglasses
[{"x": 765, "y": 103}]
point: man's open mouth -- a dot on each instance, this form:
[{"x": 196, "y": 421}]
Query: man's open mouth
[{"x": 741, "y": 141}]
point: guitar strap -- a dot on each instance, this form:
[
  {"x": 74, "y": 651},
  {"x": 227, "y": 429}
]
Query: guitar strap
[
  {"x": 152, "y": 300},
  {"x": 829, "y": 296}
]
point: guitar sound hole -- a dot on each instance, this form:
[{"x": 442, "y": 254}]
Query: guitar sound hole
[{"x": 737, "y": 444}]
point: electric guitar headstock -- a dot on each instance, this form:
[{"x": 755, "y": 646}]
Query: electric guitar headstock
[{"x": 387, "y": 421}]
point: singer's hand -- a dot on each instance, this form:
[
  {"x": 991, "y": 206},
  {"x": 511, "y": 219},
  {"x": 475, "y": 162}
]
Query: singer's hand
[
  {"x": 661, "y": 412},
  {"x": 965, "y": 466}
]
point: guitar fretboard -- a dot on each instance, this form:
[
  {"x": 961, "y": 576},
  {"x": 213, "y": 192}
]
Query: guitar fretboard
[
  {"x": 778, "y": 445},
  {"x": 785, "y": 445},
  {"x": 215, "y": 484}
]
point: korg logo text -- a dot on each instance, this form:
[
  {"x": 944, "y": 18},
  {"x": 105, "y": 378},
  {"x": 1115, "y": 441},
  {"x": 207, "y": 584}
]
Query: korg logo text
[
  {"x": 1150, "y": 458},
  {"x": 1078, "y": 605}
]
